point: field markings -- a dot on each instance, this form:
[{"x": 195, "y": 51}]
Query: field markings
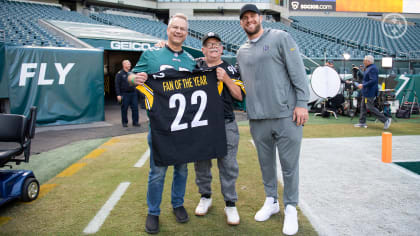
[
  {"x": 45, "y": 188},
  {"x": 71, "y": 170},
  {"x": 94, "y": 154},
  {"x": 143, "y": 159},
  {"x": 96, "y": 223},
  {"x": 4, "y": 219},
  {"x": 111, "y": 142}
]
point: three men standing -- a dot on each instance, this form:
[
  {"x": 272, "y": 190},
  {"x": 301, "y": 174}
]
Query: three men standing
[{"x": 277, "y": 90}]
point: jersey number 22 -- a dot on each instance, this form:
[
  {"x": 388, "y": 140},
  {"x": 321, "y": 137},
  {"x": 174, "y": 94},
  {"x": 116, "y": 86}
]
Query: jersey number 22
[{"x": 196, "y": 122}]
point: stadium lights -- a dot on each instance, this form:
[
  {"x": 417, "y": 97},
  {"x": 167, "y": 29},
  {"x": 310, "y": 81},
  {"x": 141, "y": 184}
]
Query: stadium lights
[
  {"x": 387, "y": 62},
  {"x": 346, "y": 56}
]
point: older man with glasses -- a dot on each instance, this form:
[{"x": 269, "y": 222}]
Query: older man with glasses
[{"x": 230, "y": 88}]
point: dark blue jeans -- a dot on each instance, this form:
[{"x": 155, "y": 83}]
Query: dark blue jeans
[
  {"x": 156, "y": 182},
  {"x": 130, "y": 99}
]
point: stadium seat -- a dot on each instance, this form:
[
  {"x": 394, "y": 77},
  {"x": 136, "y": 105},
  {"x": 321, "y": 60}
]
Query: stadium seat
[{"x": 21, "y": 22}]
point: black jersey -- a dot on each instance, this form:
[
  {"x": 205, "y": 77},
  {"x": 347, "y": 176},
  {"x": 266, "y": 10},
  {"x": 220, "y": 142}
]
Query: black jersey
[
  {"x": 186, "y": 116},
  {"x": 228, "y": 100}
]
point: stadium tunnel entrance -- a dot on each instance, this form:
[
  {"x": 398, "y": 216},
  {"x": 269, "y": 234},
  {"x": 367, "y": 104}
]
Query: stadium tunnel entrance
[{"x": 113, "y": 64}]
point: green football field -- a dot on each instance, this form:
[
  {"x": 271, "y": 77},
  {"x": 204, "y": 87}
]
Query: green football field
[{"x": 80, "y": 181}]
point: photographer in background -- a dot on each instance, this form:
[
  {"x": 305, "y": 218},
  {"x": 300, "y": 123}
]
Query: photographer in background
[{"x": 369, "y": 88}]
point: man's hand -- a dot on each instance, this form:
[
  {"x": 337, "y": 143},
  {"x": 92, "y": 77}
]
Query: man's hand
[
  {"x": 119, "y": 98},
  {"x": 221, "y": 73},
  {"x": 300, "y": 115},
  {"x": 360, "y": 86},
  {"x": 137, "y": 79}
]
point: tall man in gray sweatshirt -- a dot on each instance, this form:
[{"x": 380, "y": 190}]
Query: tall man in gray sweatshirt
[{"x": 277, "y": 94}]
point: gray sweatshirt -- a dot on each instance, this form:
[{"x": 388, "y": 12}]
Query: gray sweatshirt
[{"x": 274, "y": 76}]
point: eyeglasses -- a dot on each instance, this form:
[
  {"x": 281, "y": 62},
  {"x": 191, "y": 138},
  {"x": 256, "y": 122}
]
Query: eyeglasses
[{"x": 213, "y": 45}]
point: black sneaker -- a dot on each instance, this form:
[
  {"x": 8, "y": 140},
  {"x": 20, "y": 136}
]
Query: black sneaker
[
  {"x": 181, "y": 214},
  {"x": 124, "y": 125},
  {"x": 152, "y": 224},
  {"x": 136, "y": 125}
]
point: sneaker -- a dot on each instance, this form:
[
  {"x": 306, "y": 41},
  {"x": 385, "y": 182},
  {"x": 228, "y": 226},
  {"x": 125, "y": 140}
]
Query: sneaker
[
  {"x": 387, "y": 123},
  {"x": 290, "y": 225},
  {"x": 152, "y": 224},
  {"x": 203, "y": 206},
  {"x": 232, "y": 215},
  {"x": 124, "y": 125},
  {"x": 267, "y": 210},
  {"x": 136, "y": 125},
  {"x": 181, "y": 214},
  {"x": 360, "y": 125}
]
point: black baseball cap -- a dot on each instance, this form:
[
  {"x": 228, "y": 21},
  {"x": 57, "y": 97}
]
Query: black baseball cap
[
  {"x": 249, "y": 7},
  {"x": 210, "y": 35},
  {"x": 330, "y": 61}
]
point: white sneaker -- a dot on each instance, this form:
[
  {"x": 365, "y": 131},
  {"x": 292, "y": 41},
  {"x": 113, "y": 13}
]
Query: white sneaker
[
  {"x": 290, "y": 225},
  {"x": 267, "y": 210},
  {"x": 360, "y": 125},
  {"x": 232, "y": 215},
  {"x": 387, "y": 123},
  {"x": 203, "y": 206}
]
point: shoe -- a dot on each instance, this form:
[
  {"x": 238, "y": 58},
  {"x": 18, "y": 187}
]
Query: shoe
[
  {"x": 232, "y": 216},
  {"x": 267, "y": 210},
  {"x": 359, "y": 125},
  {"x": 290, "y": 225},
  {"x": 181, "y": 214},
  {"x": 136, "y": 125},
  {"x": 152, "y": 224},
  {"x": 203, "y": 206},
  {"x": 387, "y": 123},
  {"x": 124, "y": 125}
]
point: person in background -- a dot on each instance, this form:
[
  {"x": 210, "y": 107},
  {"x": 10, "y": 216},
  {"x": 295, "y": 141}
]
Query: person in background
[
  {"x": 330, "y": 63},
  {"x": 369, "y": 88},
  {"x": 126, "y": 95}
]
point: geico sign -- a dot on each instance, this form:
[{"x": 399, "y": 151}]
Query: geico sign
[{"x": 130, "y": 46}]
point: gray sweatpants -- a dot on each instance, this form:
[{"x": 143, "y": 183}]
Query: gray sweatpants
[
  {"x": 228, "y": 167},
  {"x": 369, "y": 104},
  {"x": 287, "y": 137}
]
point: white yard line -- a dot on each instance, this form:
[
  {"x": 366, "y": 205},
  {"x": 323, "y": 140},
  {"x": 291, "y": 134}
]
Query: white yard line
[
  {"x": 404, "y": 170},
  {"x": 143, "y": 159},
  {"x": 96, "y": 223}
]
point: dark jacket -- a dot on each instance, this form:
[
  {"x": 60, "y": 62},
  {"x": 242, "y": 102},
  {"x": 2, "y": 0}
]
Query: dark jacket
[
  {"x": 121, "y": 83},
  {"x": 370, "y": 81}
]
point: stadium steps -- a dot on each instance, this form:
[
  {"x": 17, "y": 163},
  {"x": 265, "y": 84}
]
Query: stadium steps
[{"x": 19, "y": 20}]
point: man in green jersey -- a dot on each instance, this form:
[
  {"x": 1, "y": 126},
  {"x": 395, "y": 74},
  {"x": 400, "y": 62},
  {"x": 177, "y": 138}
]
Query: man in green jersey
[{"x": 152, "y": 61}]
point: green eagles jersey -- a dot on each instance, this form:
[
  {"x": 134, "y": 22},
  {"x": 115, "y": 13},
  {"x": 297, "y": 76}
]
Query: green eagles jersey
[{"x": 158, "y": 59}]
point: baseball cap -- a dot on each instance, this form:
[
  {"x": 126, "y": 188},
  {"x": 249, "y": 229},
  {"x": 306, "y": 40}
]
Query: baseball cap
[
  {"x": 210, "y": 35},
  {"x": 330, "y": 61},
  {"x": 249, "y": 7}
]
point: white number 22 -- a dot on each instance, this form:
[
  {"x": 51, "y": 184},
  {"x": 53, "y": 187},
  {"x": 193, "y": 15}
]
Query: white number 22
[{"x": 196, "y": 122}]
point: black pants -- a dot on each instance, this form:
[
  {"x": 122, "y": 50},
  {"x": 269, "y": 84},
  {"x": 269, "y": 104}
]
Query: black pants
[{"x": 130, "y": 99}]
